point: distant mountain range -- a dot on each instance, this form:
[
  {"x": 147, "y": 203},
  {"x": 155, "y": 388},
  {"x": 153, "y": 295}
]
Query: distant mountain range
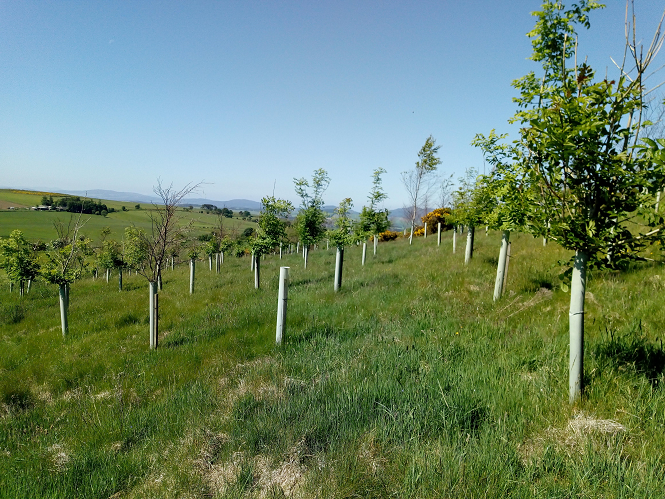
[{"x": 232, "y": 204}]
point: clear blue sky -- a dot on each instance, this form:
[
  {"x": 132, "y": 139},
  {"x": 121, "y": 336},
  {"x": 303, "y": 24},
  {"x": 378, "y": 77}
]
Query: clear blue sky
[{"x": 111, "y": 95}]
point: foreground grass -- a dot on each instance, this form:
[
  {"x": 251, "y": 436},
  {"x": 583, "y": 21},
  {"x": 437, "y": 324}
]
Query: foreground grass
[{"x": 410, "y": 382}]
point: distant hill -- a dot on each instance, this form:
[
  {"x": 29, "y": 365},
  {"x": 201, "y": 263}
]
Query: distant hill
[{"x": 232, "y": 204}]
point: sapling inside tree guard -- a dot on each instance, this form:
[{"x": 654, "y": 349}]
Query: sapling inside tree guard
[
  {"x": 341, "y": 237},
  {"x": 146, "y": 251},
  {"x": 506, "y": 194},
  {"x": 310, "y": 221},
  {"x": 65, "y": 261},
  {"x": 579, "y": 141},
  {"x": 373, "y": 221},
  {"x": 18, "y": 259},
  {"x": 272, "y": 231}
]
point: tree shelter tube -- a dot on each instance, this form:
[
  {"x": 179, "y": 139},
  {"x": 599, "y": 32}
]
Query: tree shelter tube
[
  {"x": 339, "y": 262},
  {"x": 468, "y": 254},
  {"x": 576, "y": 325},
  {"x": 501, "y": 267},
  {"x": 64, "y": 307}
]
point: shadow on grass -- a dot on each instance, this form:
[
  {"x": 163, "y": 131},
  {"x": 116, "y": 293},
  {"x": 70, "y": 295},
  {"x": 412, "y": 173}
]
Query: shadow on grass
[
  {"x": 537, "y": 281},
  {"x": 631, "y": 350},
  {"x": 316, "y": 332},
  {"x": 11, "y": 313},
  {"x": 491, "y": 260},
  {"x": 309, "y": 280}
]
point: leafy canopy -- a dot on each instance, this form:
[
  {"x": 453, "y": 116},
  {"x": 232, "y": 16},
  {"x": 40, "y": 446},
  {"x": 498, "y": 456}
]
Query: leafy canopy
[
  {"x": 17, "y": 258},
  {"x": 578, "y": 151},
  {"x": 310, "y": 222}
]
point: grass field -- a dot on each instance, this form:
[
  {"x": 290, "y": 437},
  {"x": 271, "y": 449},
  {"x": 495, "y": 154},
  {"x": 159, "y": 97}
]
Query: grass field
[
  {"x": 39, "y": 224},
  {"x": 410, "y": 382}
]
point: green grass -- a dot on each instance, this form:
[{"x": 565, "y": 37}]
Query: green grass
[
  {"x": 410, "y": 382},
  {"x": 39, "y": 224}
]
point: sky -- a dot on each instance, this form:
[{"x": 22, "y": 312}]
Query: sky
[{"x": 245, "y": 96}]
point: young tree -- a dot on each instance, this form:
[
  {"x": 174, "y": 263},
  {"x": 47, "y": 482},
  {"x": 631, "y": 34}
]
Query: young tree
[
  {"x": 578, "y": 136},
  {"x": 147, "y": 251},
  {"x": 341, "y": 237},
  {"x": 471, "y": 204},
  {"x": 417, "y": 181},
  {"x": 110, "y": 257},
  {"x": 272, "y": 231},
  {"x": 310, "y": 222},
  {"x": 18, "y": 259},
  {"x": 225, "y": 245},
  {"x": 510, "y": 199},
  {"x": 211, "y": 248},
  {"x": 374, "y": 221},
  {"x": 65, "y": 261}
]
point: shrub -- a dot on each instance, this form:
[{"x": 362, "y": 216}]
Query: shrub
[
  {"x": 433, "y": 218},
  {"x": 389, "y": 235}
]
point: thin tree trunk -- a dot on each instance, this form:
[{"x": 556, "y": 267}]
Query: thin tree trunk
[
  {"x": 280, "y": 251},
  {"x": 501, "y": 267},
  {"x": 576, "y": 324},
  {"x": 64, "y": 308},
  {"x": 119, "y": 279},
  {"x": 159, "y": 278},
  {"x": 339, "y": 263},
  {"x": 468, "y": 254},
  {"x": 192, "y": 271},
  {"x": 364, "y": 252},
  {"x": 411, "y": 236},
  {"x": 257, "y": 272}
]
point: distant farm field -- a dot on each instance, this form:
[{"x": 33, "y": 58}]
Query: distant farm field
[{"x": 39, "y": 224}]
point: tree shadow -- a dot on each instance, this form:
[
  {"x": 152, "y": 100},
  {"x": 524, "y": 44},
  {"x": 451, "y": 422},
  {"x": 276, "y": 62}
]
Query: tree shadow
[{"x": 631, "y": 350}]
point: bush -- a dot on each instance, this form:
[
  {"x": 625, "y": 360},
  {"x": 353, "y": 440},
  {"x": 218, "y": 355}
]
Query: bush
[
  {"x": 433, "y": 218},
  {"x": 389, "y": 235}
]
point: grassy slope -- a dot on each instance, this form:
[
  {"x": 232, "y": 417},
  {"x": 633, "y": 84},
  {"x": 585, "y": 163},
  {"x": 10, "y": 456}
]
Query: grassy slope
[
  {"x": 410, "y": 382},
  {"x": 39, "y": 225}
]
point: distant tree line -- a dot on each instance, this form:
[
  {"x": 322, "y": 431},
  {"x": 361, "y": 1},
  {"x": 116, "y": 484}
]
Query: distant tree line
[
  {"x": 75, "y": 204},
  {"x": 225, "y": 212}
]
